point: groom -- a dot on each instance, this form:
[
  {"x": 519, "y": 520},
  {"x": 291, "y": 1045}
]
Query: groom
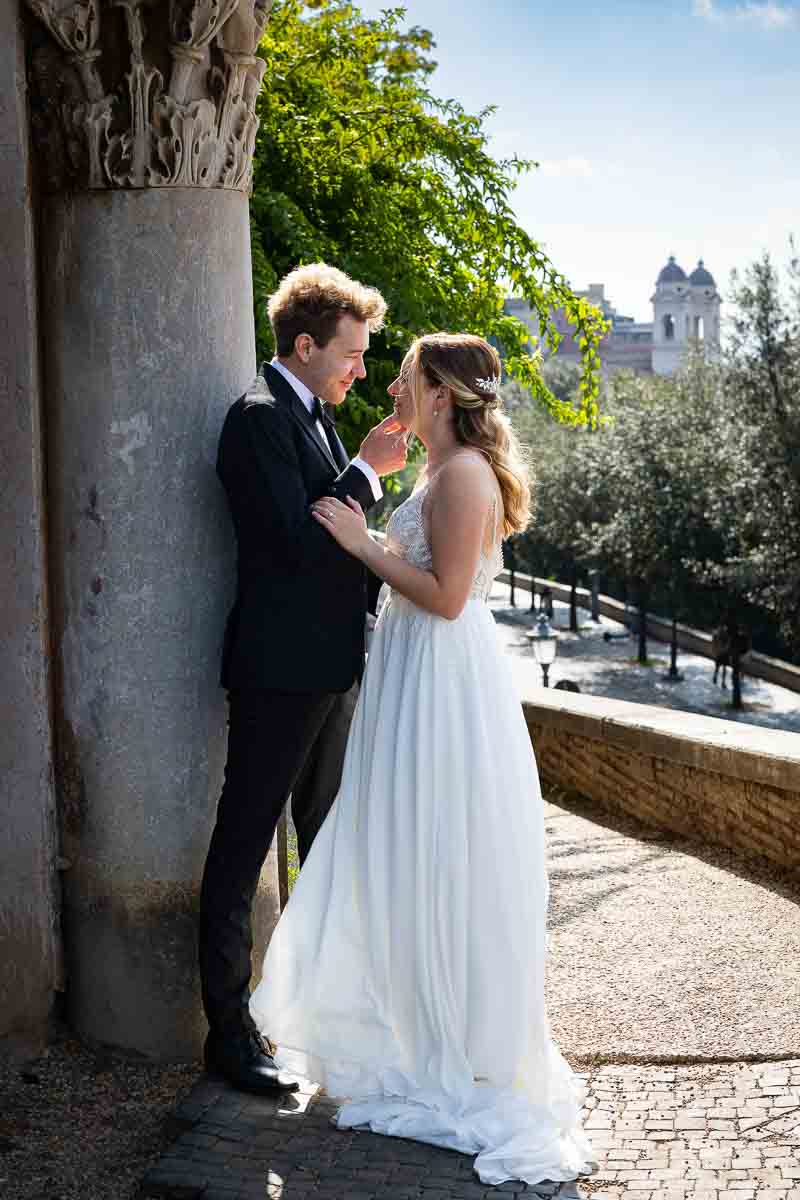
[{"x": 294, "y": 643}]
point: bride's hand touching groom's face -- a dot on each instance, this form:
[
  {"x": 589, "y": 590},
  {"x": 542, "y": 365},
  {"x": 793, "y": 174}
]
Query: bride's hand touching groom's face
[{"x": 344, "y": 522}]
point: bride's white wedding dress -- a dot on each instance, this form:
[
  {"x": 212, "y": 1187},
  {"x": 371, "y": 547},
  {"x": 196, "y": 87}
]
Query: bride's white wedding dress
[{"x": 407, "y": 971}]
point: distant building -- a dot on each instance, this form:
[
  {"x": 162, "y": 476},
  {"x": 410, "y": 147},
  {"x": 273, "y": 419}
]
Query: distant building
[
  {"x": 685, "y": 315},
  {"x": 686, "y": 312}
]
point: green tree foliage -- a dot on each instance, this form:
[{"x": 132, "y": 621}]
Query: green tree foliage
[
  {"x": 689, "y": 490},
  {"x": 759, "y": 503},
  {"x": 653, "y": 528},
  {"x": 532, "y": 422},
  {"x": 569, "y": 479},
  {"x": 359, "y": 165},
  {"x": 632, "y": 497}
]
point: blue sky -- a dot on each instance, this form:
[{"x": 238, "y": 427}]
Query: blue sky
[{"x": 661, "y": 126}]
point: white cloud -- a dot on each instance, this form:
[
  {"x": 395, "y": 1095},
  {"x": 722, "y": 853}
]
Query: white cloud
[
  {"x": 574, "y": 166},
  {"x": 767, "y": 14}
]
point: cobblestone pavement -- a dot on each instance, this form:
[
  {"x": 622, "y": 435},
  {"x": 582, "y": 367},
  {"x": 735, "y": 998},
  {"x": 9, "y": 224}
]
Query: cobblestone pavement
[
  {"x": 709, "y": 1132},
  {"x": 726, "y": 1132}
]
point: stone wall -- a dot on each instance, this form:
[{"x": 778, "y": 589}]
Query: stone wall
[
  {"x": 28, "y": 906},
  {"x": 723, "y": 782}
]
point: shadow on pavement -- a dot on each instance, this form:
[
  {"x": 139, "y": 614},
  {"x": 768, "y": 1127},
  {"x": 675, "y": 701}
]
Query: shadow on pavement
[{"x": 783, "y": 882}]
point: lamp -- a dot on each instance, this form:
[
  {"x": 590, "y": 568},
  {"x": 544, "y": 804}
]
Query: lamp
[{"x": 545, "y": 645}]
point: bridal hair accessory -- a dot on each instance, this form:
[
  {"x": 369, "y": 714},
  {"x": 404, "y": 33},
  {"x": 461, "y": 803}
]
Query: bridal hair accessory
[{"x": 491, "y": 384}]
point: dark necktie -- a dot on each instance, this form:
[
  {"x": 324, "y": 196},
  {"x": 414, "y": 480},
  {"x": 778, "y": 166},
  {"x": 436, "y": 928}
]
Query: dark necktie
[{"x": 318, "y": 414}]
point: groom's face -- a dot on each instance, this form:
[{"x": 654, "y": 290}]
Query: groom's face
[{"x": 333, "y": 369}]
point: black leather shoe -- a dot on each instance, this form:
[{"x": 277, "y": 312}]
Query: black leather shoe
[{"x": 247, "y": 1063}]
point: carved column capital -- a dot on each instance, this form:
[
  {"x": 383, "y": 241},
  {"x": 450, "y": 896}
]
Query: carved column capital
[{"x": 101, "y": 126}]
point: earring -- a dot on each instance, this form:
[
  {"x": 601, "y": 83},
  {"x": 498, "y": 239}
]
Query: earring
[{"x": 436, "y": 412}]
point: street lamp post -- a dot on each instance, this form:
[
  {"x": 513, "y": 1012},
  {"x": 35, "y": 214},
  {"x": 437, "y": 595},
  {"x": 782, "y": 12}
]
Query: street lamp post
[
  {"x": 594, "y": 585},
  {"x": 545, "y": 644}
]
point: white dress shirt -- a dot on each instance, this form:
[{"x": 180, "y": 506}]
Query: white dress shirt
[{"x": 307, "y": 396}]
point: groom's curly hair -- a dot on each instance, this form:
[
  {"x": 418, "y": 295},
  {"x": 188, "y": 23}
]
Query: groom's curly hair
[{"x": 311, "y": 300}]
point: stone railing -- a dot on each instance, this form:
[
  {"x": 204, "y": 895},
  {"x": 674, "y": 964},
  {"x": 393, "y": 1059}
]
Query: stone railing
[
  {"x": 723, "y": 782},
  {"x": 696, "y": 641}
]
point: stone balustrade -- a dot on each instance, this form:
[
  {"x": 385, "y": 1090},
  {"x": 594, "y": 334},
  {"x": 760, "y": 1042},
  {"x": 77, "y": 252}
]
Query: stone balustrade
[{"x": 723, "y": 782}]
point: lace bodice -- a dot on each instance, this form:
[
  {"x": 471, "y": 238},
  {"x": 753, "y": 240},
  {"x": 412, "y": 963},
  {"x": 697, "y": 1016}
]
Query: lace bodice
[{"x": 407, "y": 536}]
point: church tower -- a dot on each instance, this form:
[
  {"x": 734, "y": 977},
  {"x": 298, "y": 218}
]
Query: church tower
[
  {"x": 670, "y": 318},
  {"x": 704, "y": 306},
  {"x": 685, "y": 316}
]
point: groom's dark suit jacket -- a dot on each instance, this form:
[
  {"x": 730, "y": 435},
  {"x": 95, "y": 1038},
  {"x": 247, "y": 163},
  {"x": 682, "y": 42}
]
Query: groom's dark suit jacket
[{"x": 297, "y": 623}]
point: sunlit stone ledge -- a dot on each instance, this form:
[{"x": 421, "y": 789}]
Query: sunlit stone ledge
[{"x": 723, "y": 782}]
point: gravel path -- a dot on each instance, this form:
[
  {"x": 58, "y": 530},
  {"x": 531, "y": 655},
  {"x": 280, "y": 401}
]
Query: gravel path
[
  {"x": 661, "y": 950},
  {"x": 84, "y": 1125}
]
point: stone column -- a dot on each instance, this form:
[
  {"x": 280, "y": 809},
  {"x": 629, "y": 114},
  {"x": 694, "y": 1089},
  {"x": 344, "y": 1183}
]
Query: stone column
[
  {"x": 28, "y": 907},
  {"x": 145, "y": 116}
]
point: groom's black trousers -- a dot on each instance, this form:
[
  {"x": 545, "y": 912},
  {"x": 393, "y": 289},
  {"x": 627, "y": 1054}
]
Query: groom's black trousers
[{"x": 278, "y": 743}]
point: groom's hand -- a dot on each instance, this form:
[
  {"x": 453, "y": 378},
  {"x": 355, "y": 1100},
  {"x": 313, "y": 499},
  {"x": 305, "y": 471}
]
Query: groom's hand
[{"x": 384, "y": 447}]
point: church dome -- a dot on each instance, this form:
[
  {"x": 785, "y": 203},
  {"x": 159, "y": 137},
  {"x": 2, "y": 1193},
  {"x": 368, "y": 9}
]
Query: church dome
[
  {"x": 671, "y": 273},
  {"x": 700, "y": 277}
]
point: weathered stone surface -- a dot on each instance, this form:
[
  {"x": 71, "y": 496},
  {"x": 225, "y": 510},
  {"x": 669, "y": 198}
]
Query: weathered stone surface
[
  {"x": 28, "y": 907},
  {"x": 134, "y": 94},
  {"x": 149, "y": 335},
  {"x": 144, "y": 115}
]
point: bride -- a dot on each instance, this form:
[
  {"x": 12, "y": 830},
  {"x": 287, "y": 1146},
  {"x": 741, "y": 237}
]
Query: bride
[{"x": 407, "y": 971}]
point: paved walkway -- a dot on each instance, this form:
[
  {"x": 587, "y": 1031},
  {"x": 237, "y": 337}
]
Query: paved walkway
[
  {"x": 665, "y": 950},
  {"x": 665, "y": 963},
  {"x": 724, "y": 1132},
  {"x": 610, "y": 668}
]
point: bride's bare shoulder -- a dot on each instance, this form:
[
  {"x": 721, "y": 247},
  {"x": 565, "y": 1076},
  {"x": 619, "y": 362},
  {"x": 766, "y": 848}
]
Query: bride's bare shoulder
[
  {"x": 467, "y": 471},
  {"x": 467, "y": 464}
]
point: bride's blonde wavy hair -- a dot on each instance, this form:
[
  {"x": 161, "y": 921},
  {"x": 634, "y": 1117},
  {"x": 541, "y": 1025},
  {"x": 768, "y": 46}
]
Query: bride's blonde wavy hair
[{"x": 458, "y": 361}]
